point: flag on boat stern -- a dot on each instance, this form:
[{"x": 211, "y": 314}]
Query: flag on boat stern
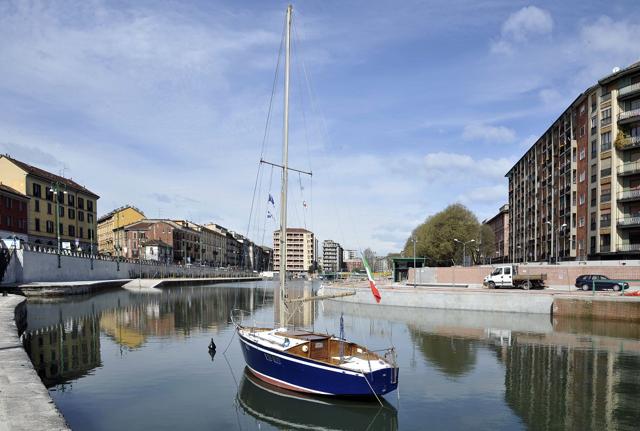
[{"x": 372, "y": 283}]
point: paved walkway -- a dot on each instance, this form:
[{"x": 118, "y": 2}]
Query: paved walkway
[{"x": 25, "y": 403}]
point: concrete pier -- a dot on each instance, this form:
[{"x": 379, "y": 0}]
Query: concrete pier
[{"x": 25, "y": 403}]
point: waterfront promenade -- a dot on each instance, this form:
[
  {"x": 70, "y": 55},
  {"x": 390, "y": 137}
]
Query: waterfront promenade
[{"x": 25, "y": 403}]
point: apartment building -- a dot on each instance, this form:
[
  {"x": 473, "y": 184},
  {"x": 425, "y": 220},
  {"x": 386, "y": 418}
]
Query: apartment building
[
  {"x": 58, "y": 206},
  {"x": 219, "y": 246},
  {"x": 499, "y": 224},
  {"x": 350, "y": 255},
  {"x": 301, "y": 250},
  {"x": 332, "y": 256},
  {"x": 575, "y": 194},
  {"x": 110, "y": 224},
  {"x": 184, "y": 241},
  {"x": 13, "y": 213}
]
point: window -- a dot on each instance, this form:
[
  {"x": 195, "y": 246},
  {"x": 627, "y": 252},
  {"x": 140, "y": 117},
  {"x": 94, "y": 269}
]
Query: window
[
  {"x": 37, "y": 224},
  {"x": 36, "y": 205},
  {"x": 605, "y": 195},
  {"x": 80, "y": 216},
  {"x": 49, "y": 226},
  {"x": 593, "y": 221},
  {"x": 49, "y": 196},
  {"x": 71, "y": 213},
  {"x": 593, "y": 197},
  {"x": 582, "y": 154},
  {"x": 594, "y": 149},
  {"x": 90, "y": 206},
  {"x": 89, "y": 218},
  {"x": 81, "y": 232},
  {"x": 8, "y": 221},
  {"x": 48, "y": 207},
  {"x": 7, "y": 202},
  {"x": 71, "y": 199},
  {"x": 581, "y": 222},
  {"x": 605, "y": 139},
  {"x": 581, "y": 198},
  {"x": 61, "y": 197},
  {"x": 582, "y": 131},
  {"x": 605, "y": 168},
  {"x": 507, "y": 271},
  {"x": 72, "y": 230},
  {"x": 81, "y": 203},
  {"x": 61, "y": 211},
  {"x": 37, "y": 190},
  {"x": 606, "y": 117},
  {"x": 61, "y": 227},
  {"x": 582, "y": 109},
  {"x": 582, "y": 176}
]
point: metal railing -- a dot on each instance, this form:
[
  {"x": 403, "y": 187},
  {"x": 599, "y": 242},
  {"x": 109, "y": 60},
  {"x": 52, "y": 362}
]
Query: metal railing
[
  {"x": 628, "y": 142},
  {"x": 629, "y": 194},
  {"x": 605, "y": 223},
  {"x": 629, "y": 247},
  {"x": 628, "y": 114},
  {"x": 629, "y": 221},
  {"x": 629, "y": 89},
  {"x": 629, "y": 168}
]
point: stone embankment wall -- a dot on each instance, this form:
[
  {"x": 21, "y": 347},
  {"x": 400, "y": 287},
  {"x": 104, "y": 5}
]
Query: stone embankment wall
[
  {"x": 557, "y": 275},
  {"x": 25, "y": 403},
  {"x": 29, "y": 266}
]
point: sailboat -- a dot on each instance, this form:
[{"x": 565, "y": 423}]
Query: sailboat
[{"x": 306, "y": 361}]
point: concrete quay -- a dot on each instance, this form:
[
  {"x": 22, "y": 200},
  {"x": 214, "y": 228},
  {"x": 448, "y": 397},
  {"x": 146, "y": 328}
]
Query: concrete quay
[
  {"x": 603, "y": 305},
  {"x": 25, "y": 403}
]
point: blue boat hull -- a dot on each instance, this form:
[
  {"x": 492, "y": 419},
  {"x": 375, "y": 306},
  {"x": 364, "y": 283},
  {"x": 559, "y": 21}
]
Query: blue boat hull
[{"x": 304, "y": 375}]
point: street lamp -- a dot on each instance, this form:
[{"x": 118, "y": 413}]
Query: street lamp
[
  {"x": 562, "y": 228},
  {"x": 415, "y": 269},
  {"x": 550, "y": 247},
  {"x": 464, "y": 249},
  {"x": 55, "y": 190}
]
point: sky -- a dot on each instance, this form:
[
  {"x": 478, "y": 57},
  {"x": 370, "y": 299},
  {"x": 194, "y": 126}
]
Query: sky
[{"x": 397, "y": 108}]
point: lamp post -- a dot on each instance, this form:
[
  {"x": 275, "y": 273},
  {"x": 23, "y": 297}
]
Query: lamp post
[
  {"x": 415, "y": 269},
  {"x": 562, "y": 228},
  {"x": 464, "y": 249},
  {"x": 55, "y": 190},
  {"x": 550, "y": 243},
  {"x": 91, "y": 247},
  {"x": 519, "y": 252}
]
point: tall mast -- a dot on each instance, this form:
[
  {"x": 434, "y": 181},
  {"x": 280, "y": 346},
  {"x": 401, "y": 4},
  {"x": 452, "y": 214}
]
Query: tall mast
[{"x": 285, "y": 173}]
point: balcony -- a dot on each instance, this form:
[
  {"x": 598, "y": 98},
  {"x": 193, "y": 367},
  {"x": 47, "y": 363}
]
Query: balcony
[
  {"x": 629, "y": 221},
  {"x": 629, "y": 169},
  {"x": 629, "y": 116},
  {"x": 628, "y": 143},
  {"x": 605, "y": 223},
  {"x": 632, "y": 248},
  {"x": 605, "y": 97},
  {"x": 629, "y": 195},
  {"x": 605, "y": 121},
  {"x": 629, "y": 90}
]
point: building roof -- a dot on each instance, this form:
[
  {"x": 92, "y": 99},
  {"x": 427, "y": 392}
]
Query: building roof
[
  {"x": 635, "y": 67},
  {"x": 117, "y": 210},
  {"x": 157, "y": 242},
  {"x": 6, "y": 189},
  {"x": 48, "y": 176},
  {"x": 294, "y": 230},
  {"x": 503, "y": 209}
]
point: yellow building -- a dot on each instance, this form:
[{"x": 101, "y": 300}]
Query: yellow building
[
  {"x": 74, "y": 207},
  {"x": 108, "y": 225}
]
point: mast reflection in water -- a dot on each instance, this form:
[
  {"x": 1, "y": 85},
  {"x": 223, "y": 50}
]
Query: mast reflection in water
[
  {"x": 145, "y": 357},
  {"x": 292, "y": 410}
]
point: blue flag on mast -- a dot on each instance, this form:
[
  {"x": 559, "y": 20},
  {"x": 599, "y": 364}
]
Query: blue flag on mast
[{"x": 271, "y": 200}]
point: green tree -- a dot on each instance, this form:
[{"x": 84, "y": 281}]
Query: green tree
[
  {"x": 435, "y": 237},
  {"x": 487, "y": 246}
]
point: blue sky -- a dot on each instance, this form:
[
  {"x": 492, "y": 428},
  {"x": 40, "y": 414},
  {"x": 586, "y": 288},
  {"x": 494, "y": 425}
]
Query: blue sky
[{"x": 408, "y": 106}]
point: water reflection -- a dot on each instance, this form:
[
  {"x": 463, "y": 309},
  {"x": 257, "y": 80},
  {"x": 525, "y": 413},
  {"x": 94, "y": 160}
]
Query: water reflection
[
  {"x": 290, "y": 410},
  {"x": 561, "y": 387},
  {"x": 454, "y": 356},
  {"x": 65, "y": 351}
]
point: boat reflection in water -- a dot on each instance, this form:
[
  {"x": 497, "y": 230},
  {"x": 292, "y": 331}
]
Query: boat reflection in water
[{"x": 293, "y": 410}]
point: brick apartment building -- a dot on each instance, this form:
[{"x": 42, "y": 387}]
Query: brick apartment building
[
  {"x": 499, "y": 224},
  {"x": 575, "y": 194},
  {"x": 13, "y": 213}
]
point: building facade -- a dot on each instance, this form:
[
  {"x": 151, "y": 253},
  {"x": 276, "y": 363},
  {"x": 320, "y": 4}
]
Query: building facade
[
  {"x": 499, "y": 224},
  {"x": 301, "y": 250},
  {"x": 332, "y": 254},
  {"x": 111, "y": 223},
  {"x": 575, "y": 194},
  {"x": 58, "y": 206},
  {"x": 14, "y": 214}
]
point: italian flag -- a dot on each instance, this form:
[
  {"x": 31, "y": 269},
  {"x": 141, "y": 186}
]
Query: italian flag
[{"x": 372, "y": 283}]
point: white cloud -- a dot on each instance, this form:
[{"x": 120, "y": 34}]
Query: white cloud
[
  {"x": 487, "y": 133},
  {"x": 521, "y": 26},
  {"x": 462, "y": 166},
  {"x": 488, "y": 194}
]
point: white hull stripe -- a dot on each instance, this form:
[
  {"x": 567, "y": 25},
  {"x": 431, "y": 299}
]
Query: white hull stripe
[
  {"x": 310, "y": 364},
  {"x": 301, "y": 388}
]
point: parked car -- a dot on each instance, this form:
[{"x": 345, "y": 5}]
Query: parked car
[{"x": 586, "y": 281}]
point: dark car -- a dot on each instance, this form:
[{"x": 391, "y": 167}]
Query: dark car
[{"x": 586, "y": 281}]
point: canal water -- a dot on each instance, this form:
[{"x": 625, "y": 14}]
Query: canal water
[{"x": 137, "y": 361}]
